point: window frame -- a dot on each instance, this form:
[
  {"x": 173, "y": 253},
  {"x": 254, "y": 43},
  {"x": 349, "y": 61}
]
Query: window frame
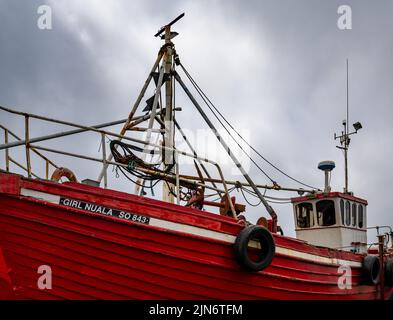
[
  {"x": 354, "y": 215},
  {"x": 361, "y": 215},
  {"x": 342, "y": 211},
  {"x": 323, "y": 214},
  {"x": 311, "y": 221},
  {"x": 347, "y": 213}
]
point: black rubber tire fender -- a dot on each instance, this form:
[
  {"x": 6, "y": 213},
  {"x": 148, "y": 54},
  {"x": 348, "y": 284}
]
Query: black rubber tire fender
[
  {"x": 389, "y": 272},
  {"x": 371, "y": 266},
  {"x": 268, "y": 248}
]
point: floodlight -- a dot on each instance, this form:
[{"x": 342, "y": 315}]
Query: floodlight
[{"x": 357, "y": 126}]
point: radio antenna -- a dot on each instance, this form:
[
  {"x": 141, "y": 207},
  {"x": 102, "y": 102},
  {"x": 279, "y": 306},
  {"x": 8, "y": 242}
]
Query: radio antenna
[
  {"x": 347, "y": 101},
  {"x": 162, "y": 30},
  {"x": 344, "y": 137}
]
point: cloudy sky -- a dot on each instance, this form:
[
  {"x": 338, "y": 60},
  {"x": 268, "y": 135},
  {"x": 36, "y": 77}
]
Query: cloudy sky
[{"x": 276, "y": 69}]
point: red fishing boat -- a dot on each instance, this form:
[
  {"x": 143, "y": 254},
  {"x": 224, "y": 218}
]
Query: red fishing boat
[{"x": 79, "y": 240}]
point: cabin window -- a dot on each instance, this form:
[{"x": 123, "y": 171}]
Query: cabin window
[
  {"x": 342, "y": 212},
  {"x": 347, "y": 213},
  {"x": 326, "y": 214},
  {"x": 360, "y": 215},
  {"x": 354, "y": 214},
  {"x": 304, "y": 215}
]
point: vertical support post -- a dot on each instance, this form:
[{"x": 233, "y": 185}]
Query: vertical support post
[
  {"x": 346, "y": 141},
  {"x": 27, "y": 146},
  {"x": 177, "y": 179},
  {"x": 7, "y": 158},
  {"x": 104, "y": 164},
  {"x": 346, "y": 156},
  {"x": 326, "y": 181},
  {"x": 46, "y": 169},
  {"x": 169, "y": 128},
  {"x": 391, "y": 239},
  {"x": 381, "y": 240},
  {"x": 228, "y": 196}
]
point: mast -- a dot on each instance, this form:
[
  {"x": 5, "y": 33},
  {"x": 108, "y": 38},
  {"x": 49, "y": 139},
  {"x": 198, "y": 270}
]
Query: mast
[
  {"x": 168, "y": 116},
  {"x": 346, "y": 142},
  {"x": 344, "y": 137},
  {"x": 168, "y": 113},
  {"x": 169, "y": 134}
]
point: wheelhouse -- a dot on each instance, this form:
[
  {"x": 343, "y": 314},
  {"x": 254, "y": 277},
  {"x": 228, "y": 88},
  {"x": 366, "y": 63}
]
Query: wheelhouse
[{"x": 334, "y": 219}]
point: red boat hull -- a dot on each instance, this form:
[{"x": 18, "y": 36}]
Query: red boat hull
[{"x": 182, "y": 253}]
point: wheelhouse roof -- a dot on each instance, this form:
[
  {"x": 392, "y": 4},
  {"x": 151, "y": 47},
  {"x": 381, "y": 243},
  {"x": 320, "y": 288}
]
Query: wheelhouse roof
[{"x": 329, "y": 195}]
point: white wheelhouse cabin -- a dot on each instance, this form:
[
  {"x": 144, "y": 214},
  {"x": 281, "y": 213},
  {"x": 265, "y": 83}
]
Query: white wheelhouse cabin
[{"x": 334, "y": 220}]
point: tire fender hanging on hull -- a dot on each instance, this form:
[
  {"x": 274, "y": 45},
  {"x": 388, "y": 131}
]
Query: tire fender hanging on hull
[
  {"x": 389, "y": 273},
  {"x": 265, "y": 254},
  {"x": 371, "y": 266}
]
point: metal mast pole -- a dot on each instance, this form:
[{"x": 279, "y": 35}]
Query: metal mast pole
[
  {"x": 168, "y": 118},
  {"x": 346, "y": 141},
  {"x": 344, "y": 137},
  {"x": 346, "y": 159}
]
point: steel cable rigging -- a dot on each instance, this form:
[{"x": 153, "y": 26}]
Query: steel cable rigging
[{"x": 211, "y": 106}]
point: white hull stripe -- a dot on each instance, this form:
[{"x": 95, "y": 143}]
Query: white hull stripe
[{"x": 198, "y": 231}]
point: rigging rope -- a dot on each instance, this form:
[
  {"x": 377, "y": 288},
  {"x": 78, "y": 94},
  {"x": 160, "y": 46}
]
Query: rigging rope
[
  {"x": 278, "y": 200},
  {"x": 226, "y": 129},
  {"x": 204, "y": 97},
  {"x": 245, "y": 198},
  {"x": 127, "y": 156}
]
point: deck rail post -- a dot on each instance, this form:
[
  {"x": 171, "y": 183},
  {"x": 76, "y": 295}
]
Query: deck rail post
[
  {"x": 27, "y": 146},
  {"x": 46, "y": 169},
  {"x": 381, "y": 244},
  {"x": 7, "y": 158},
  {"x": 177, "y": 178},
  {"x": 104, "y": 162}
]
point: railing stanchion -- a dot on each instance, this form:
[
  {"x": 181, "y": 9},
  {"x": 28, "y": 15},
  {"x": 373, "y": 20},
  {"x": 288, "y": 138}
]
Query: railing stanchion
[
  {"x": 46, "y": 169},
  {"x": 7, "y": 158},
  {"x": 104, "y": 161},
  {"x": 381, "y": 249},
  {"x": 27, "y": 145},
  {"x": 177, "y": 179}
]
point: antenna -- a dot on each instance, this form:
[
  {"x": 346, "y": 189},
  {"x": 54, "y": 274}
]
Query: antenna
[
  {"x": 347, "y": 97},
  {"x": 344, "y": 137},
  {"x": 169, "y": 24},
  {"x": 327, "y": 167}
]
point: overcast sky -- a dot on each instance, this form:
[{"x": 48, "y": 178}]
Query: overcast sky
[{"x": 276, "y": 69}]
